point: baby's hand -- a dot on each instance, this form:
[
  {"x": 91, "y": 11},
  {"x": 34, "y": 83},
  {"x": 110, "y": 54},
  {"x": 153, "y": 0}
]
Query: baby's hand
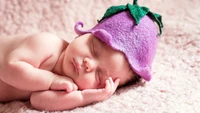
[
  {"x": 95, "y": 95},
  {"x": 63, "y": 83}
]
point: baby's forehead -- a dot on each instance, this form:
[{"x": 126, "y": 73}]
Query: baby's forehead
[
  {"x": 109, "y": 50},
  {"x": 103, "y": 44}
]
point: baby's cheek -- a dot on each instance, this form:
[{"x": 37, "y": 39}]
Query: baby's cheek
[{"x": 102, "y": 85}]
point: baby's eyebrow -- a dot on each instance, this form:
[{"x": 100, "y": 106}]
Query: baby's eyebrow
[{"x": 101, "y": 43}]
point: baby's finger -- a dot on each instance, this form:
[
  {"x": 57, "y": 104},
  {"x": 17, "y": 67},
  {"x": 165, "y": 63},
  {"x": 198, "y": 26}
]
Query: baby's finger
[
  {"x": 108, "y": 86},
  {"x": 68, "y": 87},
  {"x": 111, "y": 83},
  {"x": 117, "y": 82},
  {"x": 75, "y": 87}
]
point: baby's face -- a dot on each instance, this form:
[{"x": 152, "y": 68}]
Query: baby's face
[{"x": 89, "y": 62}]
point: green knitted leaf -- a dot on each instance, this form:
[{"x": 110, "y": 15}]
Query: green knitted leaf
[
  {"x": 158, "y": 19},
  {"x": 137, "y": 13},
  {"x": 113, "y": 10}
]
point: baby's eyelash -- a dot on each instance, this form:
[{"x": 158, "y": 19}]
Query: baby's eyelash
[{"x": 93, "y": 49}]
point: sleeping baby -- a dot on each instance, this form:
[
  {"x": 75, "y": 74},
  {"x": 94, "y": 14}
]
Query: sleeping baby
[{"x": 56, "y": 75}]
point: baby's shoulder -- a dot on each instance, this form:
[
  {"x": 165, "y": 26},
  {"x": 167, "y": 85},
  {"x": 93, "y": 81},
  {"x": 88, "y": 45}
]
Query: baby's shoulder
[
  {"x": 45, "y": 37},
  {"x": 46, "y": 42}
]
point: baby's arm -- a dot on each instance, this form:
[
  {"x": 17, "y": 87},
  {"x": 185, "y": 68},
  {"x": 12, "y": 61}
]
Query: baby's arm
[
  {"x": 57, "y": 100},
  {"x": 22, "y": 66}
]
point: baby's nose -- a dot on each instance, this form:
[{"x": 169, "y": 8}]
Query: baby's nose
[{"x": 89, "y": 64}]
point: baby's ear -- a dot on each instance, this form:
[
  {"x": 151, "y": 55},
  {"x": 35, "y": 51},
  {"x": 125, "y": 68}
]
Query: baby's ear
[{"x": 103, "y": 35}]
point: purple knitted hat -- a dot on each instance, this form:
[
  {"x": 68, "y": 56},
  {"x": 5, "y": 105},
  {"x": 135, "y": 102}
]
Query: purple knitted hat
[{"x": 131, "y": 30}]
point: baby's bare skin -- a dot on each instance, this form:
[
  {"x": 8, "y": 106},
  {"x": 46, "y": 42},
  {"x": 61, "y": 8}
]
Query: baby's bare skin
[
  {"x": 12, "y": 45},
  {"x": 31, "y": 67},
  {"x": 12, "y": 93}
]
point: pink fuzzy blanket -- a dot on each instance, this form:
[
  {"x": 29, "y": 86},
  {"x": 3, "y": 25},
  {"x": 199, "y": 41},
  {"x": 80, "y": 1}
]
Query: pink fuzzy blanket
[{"x": 175, "y": 86}]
